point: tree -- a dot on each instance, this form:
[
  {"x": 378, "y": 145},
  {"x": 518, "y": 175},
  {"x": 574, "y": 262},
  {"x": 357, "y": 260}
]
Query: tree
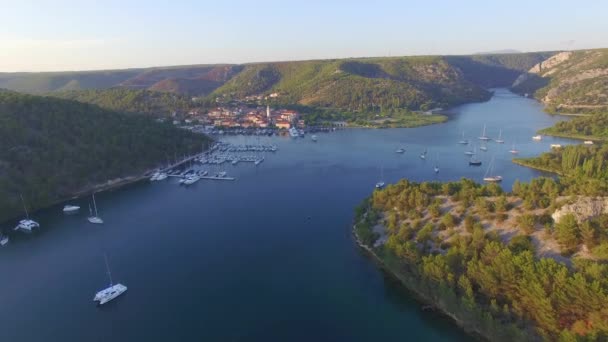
[{"x": 566, "y": 233}]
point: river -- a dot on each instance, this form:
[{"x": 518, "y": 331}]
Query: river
[{"x": 268, "y": 257}]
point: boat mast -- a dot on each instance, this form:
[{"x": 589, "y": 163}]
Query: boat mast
[
  {"x": 95, "y": 205},
  {"x": 27, "y": 215},
  {"x": 105, "y": 256}
]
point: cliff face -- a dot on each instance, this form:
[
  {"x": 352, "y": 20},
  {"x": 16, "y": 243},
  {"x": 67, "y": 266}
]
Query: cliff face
[
  {"x": 584, "y": 208},
  {"x": 569, "y": 82}
]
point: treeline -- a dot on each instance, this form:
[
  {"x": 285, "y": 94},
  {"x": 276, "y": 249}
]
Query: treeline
[
  {"x": 583, "y": 167},
  {"x": 130, "y": 100},
  {"x": 52, "y": 148},
  {"x": 586, "y": 127},
  {"x": 492, "y": 284}
]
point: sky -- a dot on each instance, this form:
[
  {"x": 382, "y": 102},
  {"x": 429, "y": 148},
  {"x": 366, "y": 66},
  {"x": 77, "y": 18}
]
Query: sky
[{"x": 54, "y": 35}]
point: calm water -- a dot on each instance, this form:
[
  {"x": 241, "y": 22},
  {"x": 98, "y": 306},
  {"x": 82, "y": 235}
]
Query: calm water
[{"x": 241, "y": 261}]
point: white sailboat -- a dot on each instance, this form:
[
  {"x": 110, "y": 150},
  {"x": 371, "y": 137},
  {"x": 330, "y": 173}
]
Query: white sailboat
[
  {"x": 26, "y": 224},
  {"x": 483, "y": 136},
  {"x": 381, "y": 183},
  {"x": 483, "y": 147},
  {"x": 489, "y": 176},
  {"x": 513, "y": 150},
  {"x": 436, "y": 168},
  {"x": 471, "y": 152},
  {"x": 463, "y": 141},
  {"x": 94, "y": 218},
  {"x": 112, "y": 291},
  {"x": 500, "y": 140},
  {"x": 423, "y": 154}
]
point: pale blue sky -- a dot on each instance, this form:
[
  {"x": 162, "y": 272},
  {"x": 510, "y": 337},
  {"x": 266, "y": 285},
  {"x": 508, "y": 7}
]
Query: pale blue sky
[{"x": 75, "y": 35}]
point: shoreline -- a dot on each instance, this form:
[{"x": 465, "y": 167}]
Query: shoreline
[
  {"x": 571, "y": 136},
  {"x": 418, "y": 295},
  {"x": 109, "y": 185},
  {"x": 524, "y": 164}
]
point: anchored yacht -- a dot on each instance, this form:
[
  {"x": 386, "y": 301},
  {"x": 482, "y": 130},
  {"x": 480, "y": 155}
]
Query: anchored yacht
[
  {"x": 111, "y": 292},
  {"x": 26, "y": 224},
  {"x": 68, "y": 208},
  {"x": 95, "y": 219}
]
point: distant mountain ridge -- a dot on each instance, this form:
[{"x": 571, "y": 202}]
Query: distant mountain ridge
[{"x": 352, "y": 85}]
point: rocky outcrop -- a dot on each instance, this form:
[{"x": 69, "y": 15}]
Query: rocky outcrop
[
  {"x": 583, "y": 208},
  {"x": 550, "y": 63}
]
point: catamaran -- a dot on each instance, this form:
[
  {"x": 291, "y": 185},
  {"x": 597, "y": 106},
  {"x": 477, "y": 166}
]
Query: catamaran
[
  {"x": 94, "y": 218},
  {"x": 463, "y": 141},
  {"x": 381, "y": 183},
  {"x": 500, "y": 140},
  {"x": 489, "y": 177},
  {"x": 483, "y": 136},
  {"x": 112, "y": 291},
  {"x": 26, "y": 223}
]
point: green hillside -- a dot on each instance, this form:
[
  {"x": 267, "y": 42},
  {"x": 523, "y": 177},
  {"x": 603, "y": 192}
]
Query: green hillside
[
  {"x": 53, "y": 148},
  {"x": 570, "y": 82},
  {"x": 130, "y": 100},
  {"x": 373, "y": 84}
]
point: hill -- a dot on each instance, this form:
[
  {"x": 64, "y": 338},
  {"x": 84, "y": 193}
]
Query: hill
[
  {"x": 53, "y": 148},
  {"x": 569, "y": 82},
  {"x": 501, "y": 264},
  {"x": 130, "y": 100},
  {"x": 378, "y": 84},
  {"x": 201, "y": 79}
]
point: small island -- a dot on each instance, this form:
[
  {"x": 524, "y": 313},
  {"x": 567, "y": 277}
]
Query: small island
[{"x": 522, "y": 265}]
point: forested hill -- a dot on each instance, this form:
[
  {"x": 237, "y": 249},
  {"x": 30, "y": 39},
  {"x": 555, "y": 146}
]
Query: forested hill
[
  {"x": 366, "y": 84},
  {"x": 52, "y": 148},
  {"x": 570, "y": 82},
  {"x": 130, "y": 100},
  {"x": 377, "y": 84}
]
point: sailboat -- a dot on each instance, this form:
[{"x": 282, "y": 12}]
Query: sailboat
[
  {"x": 474, "y": 161},
  {"x": 500, "y": 140},
  {"x": 381, "y": 183},
  {"x": 471, "y": 153},
  {"x": 483, "y": 147},
  {"x": 26, "y": 223},
  {"x": 513, "y": 150},
  {"x": 463, "y": 141},
  {"x": 423, "y": 154},
  {"x": 436, "y": 168},
  {"x": 489, "y": 177},
  {"x": 483, "y": 136},
  {"x": 94, "y": 218},
  {"x": 112, "y": 291}
]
